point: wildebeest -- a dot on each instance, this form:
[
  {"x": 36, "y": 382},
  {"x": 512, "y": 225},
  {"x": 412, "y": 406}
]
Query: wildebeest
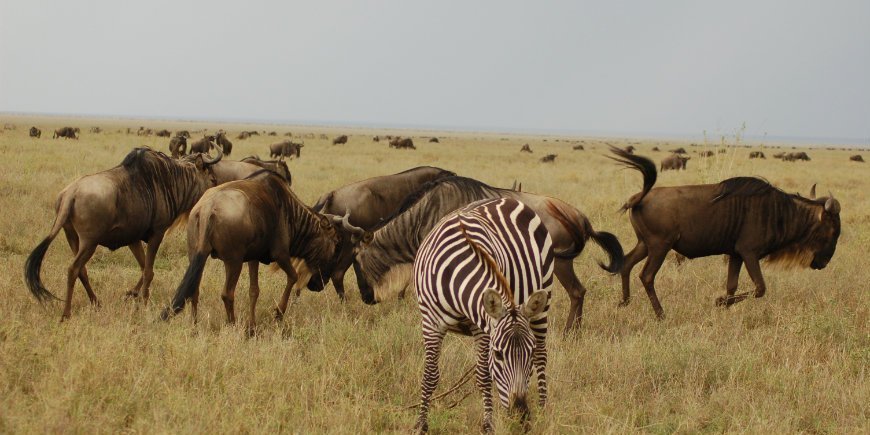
[
  {"x": 340, "y": 140},
  {"x": 549, "y": 158},
  {"x": 434, "y": 140},
  {"x": 578, "y": 148},
  {"x": 707, "y": 153},
  {"x": 35, "y": 132},
  {"x": 67, "y": 133},
  {"x": 134, "y": 202},
  {"x": 255, "y": 220},
  {"x": 96, "y": 130},
  {"x": 203, "y": 145},
  {"x": 779, "y": 155},
  {"x": 288, "y": 134},
  {"x": 277, "y": 166},
  {"x": 680, "y": 150},
  {"x": 656, "y": 149},
  {"x": 384, "y": 256},
  {"x": 857, "y": 158},
  {"x": 287, "y": 148},
  {"x": 402, "y": 143},
  {"x": 163, "y": 133},
  {"x": 273, "y": 133},
  {"x": 376, "y": 139},
  {"x": 793, "y": 157},
  {"x": 745, "y": 218},
  {"x": 674, "y": 162},
  {"x": 322, "y": 136},
  {"x": 526, "y": 149},
  {"x": 370, "y": 202},
  {"x": 630, "y": 149},
  {"x": 243, "y": 135},
  {"x": 757, "y": 155},
  {"x": 144, "y": 131},
  {"x": 220, "y": 138},
  {"x": 183, "y": 133},
  {"x": 178, "y": 146}
]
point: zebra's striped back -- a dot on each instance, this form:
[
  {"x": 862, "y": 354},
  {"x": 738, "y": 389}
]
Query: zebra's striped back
[{"x": 486, "y": 271}]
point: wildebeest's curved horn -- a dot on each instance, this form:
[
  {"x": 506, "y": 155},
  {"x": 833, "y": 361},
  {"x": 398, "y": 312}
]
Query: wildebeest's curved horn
[
  {"x": 813, "y": 191},
  {"x": 832, "y": 205},
  {"x": 220, "y": 155},
  {"x": 345, "y": 223}
]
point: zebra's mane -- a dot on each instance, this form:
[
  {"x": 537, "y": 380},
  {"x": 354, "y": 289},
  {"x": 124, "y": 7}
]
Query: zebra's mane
[{"x": 503, "y": 285}]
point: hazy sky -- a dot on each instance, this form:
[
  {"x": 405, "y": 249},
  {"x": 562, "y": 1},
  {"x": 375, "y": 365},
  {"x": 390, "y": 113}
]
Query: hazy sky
[{"x": 788, "y": 68}]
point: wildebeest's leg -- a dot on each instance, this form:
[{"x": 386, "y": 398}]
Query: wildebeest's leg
[
  {"x": 253, "y": 294},
  {"x": 734, "y": 264},
  {"x": 138, "y": 253},
  {"x": 657, "y": 254},
  {"x": 73, "y": 239},
  {"x": 344, "y": 262},
  {"x": 754, "y": 271},
  {"x": 638, "y": 253},
  {"x": 232, "y": 268},
  {"x": 148, "y": 273},
  {"x": 482, "y": 377},
  {"x": 85, "y": 252},
  {"x": 284, "y": 264},
  {"x": 432, "y": 338},
  {"x": 564, "y": 270}
]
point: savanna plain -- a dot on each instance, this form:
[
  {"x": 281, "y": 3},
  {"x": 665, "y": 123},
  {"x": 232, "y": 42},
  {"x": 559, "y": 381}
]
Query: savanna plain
[{"x": 795, "y": 360}]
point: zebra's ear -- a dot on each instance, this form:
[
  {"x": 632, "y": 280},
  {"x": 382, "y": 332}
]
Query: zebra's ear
[
  {"x": 535, "y": 304},
  {"x": 493, "y": 305}
]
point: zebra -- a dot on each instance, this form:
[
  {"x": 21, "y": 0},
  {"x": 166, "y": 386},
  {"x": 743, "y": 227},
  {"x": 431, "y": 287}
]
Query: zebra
[{"x": 486, "y": 271}]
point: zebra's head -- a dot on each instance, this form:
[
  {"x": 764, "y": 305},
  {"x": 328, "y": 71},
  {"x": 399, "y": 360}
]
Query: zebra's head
[{"x": 512, "y": 345}]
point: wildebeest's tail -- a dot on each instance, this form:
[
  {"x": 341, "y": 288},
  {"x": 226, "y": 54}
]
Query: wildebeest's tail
[
  {"x": 193, "y": 276},
  {"x": 33, "y": 265},
  {"x": 610, "y": 244},
  {"x": 642, "y": 164},
  {"x": 580, "y": 229}
]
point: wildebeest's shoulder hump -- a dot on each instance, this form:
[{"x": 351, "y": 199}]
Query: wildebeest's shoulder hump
[{"x": 744, "y": 186}]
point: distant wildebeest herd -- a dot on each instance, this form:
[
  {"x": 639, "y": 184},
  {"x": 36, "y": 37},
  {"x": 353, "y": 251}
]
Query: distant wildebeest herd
[{"x": 481, "y": 259}]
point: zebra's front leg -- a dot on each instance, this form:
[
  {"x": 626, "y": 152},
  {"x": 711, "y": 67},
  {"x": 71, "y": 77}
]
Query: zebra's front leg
[
  {"x": 432, "y": 338},
  {"x": 539, "y": 360},
  {"x": 484, "y": 379}
]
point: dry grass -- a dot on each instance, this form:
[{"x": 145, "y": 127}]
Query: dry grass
[{"x": 794, "y": 361}]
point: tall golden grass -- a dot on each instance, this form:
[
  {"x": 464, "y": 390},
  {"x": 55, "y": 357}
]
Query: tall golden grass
[{"x": 793, "y": 361}]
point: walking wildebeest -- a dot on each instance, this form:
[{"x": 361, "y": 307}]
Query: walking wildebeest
[
  {"x": 674, "y": 162},
  {"x": 402, "y": 143},
  {"x": 277, "y": 166},
  {"x": 339, "y": 140},
  {"x": 757, "y": 155},
  {"x": 369, "y": 203},
  {"x": 255, "y": 220},
  {"x": 220, "y": 138},
  {"x": 384, "y": 256},
  {"x": 680, "y": 150},
  {"x": 526, "y": 149},
  {"x": 66, "y": 133},
  {"x": 35, "y": 132},
  {"x": 549, "y": 158},
  {"x": 203, "y": 145},
  {"x": 178, "y": 146},
  {"x": 745, "y": 218},
  {"x": 288, "y": 148},
  {"x": 857, "y": 158},
  {"x": 163, "y": 133}
]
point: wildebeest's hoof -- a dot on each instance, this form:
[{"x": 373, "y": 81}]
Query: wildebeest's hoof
[
  {"x": 624, "y": 303},
  {"x": 722, "y": 301},
  {"x": 132, "y": 294},
  {"x": 279, "y": 316},
  {"x": 759, "y": 293}
]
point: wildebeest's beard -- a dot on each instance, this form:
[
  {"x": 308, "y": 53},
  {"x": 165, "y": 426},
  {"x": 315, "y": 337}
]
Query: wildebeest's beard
[{"x": 827, "y": 234}]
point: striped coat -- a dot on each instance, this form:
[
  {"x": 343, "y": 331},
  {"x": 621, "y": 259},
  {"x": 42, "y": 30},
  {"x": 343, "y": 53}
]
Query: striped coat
[{"x": 486, "y": 271}]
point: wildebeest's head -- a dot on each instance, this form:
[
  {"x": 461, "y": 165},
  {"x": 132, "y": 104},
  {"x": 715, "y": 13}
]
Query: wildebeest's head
[
  {"x": 321, "y": 274},
  {"x": 822, "y": 241}
]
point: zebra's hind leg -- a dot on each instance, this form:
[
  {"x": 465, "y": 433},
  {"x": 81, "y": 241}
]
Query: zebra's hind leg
[
  {"x": 483, "y": 378},
  {"x": 432, "y": 339}
]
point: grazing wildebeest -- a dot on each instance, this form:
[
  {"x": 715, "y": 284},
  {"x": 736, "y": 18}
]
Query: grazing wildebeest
[
  {"x": 370, "y": 202},
  {"x": 549, "y": 158},
  {"x": 287, "y": 148},
  {"x": 780, "y": 155},
  {"x": 183, "y": 133},
  {"x": 486, "y": 271},
  {"x": 255, "y": 220},
  {"x": 220, "y": 138},
  {"x": 243, "y": 135},
  {"x": 857, "y": 158},
  {"x": 680, "y": 150},
  {"x": 656, "y": 149},
  {"x": 134, "y": 202},
  {"x": 793, "y": 157},
  {"x": 745, "y": 218},
  {"x": 402, "y": 143},
  {"x": 384, "y": 255},
  {"x": 757, "y": 155},
  {"x": 273, "y": 133},
  {"x": 376, "y": 139},
  {"x": 526, "y": 149},
  {"x": 163, "y": 133},
  {"x": 277, "y": 166},
  {"x": 674, "y": 162},
  {"x": 578, "y": 148},
  {"x": 66, "y": 133},
  {"x": 434, "y": 140},
  {"x": 178, "y": 146},
  {"x": 35, "y": 132},
  {"x": 203, "y": 145},
  {"x": 340, "y": 140}
]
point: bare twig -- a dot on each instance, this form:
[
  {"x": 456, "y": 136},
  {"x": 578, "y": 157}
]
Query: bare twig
[{"x": 462, "y": 381}]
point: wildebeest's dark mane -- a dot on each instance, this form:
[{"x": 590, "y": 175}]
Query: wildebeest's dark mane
[
  {"x": 445, "y": 172},
  {"x": 755, "y": 186}
]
